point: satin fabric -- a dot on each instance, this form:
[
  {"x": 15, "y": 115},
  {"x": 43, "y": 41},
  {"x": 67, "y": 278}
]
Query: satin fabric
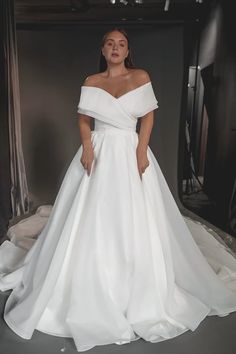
[{"x": 116, "y": 260}]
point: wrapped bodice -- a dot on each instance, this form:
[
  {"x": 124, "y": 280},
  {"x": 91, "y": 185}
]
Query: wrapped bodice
[{"x": 121, "y": 112}]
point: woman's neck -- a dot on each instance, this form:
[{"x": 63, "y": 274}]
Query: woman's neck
[{"x": 114, "y": 71}]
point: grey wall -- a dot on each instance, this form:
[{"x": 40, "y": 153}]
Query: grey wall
[{"x": 53, "y": 65}]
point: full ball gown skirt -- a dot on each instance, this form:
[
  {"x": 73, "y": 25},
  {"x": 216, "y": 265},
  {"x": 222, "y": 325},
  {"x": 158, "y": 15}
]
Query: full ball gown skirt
[{"x": 116, "y": 261}]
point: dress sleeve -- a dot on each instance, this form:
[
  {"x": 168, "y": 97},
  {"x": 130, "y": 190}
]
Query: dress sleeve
[
  {"x": 146, "y": 101},
  {"x": 81, "y": 108}
]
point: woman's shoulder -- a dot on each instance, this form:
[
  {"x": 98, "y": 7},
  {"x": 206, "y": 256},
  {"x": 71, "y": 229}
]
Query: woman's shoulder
[
  {"x": 92, "y": 80},
  {"x": 140, "y": 76}
]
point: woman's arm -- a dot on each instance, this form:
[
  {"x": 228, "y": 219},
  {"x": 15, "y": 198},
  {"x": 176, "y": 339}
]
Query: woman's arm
[
  {"x": 84, "y": 123},
  {"x": 144, "y": 137},
  {"x": 145, "y": 130}
]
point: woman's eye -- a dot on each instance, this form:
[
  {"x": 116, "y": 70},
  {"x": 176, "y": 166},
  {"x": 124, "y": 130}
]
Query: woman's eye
[{"x": 110, "y": 44}]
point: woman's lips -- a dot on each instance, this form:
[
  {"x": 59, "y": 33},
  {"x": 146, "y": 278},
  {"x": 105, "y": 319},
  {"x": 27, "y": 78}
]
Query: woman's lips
[{"x": 115, "y": 54}]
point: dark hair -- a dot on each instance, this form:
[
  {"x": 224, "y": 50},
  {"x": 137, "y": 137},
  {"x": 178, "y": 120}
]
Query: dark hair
[{"x": 128, "y": 60}]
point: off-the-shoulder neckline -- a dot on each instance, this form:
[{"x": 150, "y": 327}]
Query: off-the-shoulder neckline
[{"x": 123, "y": 95}]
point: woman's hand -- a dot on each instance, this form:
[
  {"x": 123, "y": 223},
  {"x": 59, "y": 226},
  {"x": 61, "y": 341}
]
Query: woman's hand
[
  {"x": 87, "y": 158},
  {"x": 142, "y": 160}
]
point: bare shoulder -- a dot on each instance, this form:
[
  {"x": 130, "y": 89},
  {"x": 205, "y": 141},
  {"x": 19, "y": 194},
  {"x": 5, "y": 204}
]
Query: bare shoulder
[
  {"x": 140, "y": 76},
  {"x": 92, "y": 80}
]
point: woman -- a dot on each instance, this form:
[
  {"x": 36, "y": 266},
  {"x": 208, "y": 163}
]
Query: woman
[
  {"x": 116, "y": 261},
  {"x": 119, "y": 77}
]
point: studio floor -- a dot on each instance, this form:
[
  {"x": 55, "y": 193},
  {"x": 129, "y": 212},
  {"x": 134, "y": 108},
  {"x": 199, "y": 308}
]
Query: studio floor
[{"x": 214, "y": 335}]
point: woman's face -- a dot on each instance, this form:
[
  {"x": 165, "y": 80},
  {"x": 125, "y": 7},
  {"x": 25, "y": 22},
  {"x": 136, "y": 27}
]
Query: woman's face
[{"x": 115, "y": 48}]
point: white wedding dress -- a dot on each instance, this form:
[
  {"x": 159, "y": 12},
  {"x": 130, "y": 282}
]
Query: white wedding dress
[{"x": 116, "y": 260}]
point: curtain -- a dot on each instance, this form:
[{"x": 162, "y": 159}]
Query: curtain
[
  {"x": 19, "y": 195},
  {"x": 232, "y": 211}
]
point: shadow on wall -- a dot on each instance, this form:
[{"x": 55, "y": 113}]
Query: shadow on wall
[{"x": 46, "y": 164}]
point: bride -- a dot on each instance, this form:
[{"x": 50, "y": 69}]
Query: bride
[{"x": 116, "y": 261}]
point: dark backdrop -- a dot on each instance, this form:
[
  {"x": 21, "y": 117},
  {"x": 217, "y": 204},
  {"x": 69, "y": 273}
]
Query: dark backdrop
[{"x": 53, "y": 64}]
